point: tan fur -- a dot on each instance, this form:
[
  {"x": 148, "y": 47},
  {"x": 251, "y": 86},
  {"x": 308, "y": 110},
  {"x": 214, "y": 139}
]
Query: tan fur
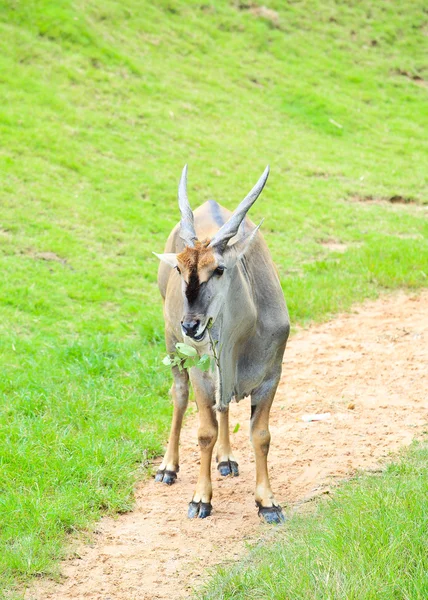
[{"x": 200, "y": 258}]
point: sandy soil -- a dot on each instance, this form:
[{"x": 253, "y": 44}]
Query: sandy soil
[{"x": 369, "y": 369}]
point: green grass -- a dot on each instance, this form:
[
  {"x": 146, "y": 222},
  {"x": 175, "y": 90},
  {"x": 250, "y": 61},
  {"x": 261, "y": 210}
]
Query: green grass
[
  {"x": 102, "y": 104},
  {"x": 369, "y": 542}
]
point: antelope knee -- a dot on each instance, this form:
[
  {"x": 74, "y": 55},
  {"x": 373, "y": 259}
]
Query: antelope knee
[
  {"x": 261, "y": 439},
  {"x": 207, "y": 439},
  {"x": 180, "y": 389}
]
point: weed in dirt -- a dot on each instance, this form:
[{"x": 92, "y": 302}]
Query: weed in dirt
[{"x": 103, "y": 103}]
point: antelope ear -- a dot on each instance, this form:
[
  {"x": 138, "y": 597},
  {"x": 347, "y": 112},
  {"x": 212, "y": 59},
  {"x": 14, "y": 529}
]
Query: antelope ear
[
  {"x": 169, "y": 258},
  {"x": 244, "y": 244}
]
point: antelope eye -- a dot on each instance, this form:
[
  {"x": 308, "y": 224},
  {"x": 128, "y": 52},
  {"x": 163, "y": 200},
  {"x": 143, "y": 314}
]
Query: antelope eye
[
  {"x": 178, "y": 270},
  {"x": 219, "y": 271}
]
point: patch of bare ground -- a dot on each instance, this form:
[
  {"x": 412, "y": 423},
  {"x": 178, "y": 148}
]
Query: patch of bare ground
[
  {"x": 334, "y": 245},
  {"x": 320, "y": 175},
  {"x": 260, "y": 11},
  {"x": 368, "y": 369},
  {"x": 414, "y": 77},
  {"x": 47, "y": 256},
  {"x": 396, "y": 199}
]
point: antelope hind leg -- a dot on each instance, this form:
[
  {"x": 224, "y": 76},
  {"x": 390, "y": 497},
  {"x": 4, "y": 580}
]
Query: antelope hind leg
[
  {"x": 261, "y": 402},
  {"x": 227, "y": 464}
]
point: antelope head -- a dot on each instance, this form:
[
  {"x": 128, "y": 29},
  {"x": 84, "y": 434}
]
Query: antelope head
[{"x": 207, "y": 267}]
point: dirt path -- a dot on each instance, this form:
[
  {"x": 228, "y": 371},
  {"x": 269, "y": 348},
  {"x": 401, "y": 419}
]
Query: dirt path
[{"x": 369, "y": 369}]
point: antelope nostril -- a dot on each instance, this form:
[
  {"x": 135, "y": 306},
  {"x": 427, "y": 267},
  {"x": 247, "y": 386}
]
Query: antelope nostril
[{"x": 190, "y": 327}]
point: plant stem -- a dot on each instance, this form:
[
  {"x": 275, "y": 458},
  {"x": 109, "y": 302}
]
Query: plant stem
[{"x": 214, "y": 351}]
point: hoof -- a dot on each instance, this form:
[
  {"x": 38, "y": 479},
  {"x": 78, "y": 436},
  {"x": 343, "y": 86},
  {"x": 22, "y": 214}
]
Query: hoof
[
  {"x": 199, "y": 509},
  {"x": 228, "y": 467},
  {"x": 165, "y": 476},
  {"x": 272, "y": 515}
]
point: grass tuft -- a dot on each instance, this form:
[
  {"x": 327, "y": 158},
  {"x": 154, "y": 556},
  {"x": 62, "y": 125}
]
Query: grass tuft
[{"x": 368, "y": 541}]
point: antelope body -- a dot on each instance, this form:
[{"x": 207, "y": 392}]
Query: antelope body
[{"x": 217, "y": 272}]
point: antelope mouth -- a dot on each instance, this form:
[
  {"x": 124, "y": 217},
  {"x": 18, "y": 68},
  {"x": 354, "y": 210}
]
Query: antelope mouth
[
  {"x": 200, "y": 336},
  {"x": 207, "y": 326}
]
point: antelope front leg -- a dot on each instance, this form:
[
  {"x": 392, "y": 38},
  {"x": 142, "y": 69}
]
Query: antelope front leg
[
  {"x": 227, "y": 464},
  {"x": 261, "y": 400},
  {"x": 200, "y": 506},
  {"x": 167, "y": 472}
]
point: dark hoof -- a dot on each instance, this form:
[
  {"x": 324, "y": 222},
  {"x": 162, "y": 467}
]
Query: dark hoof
[
  {"x": 165, "y": 476},
  {"x": 228, "y": 467},
  {"x": 272, "y": 515},
  {"x": 199, "y": 509}
]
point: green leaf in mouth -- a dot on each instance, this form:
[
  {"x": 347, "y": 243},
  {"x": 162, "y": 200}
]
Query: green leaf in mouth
[
  {"x": 204, "y": 362},
  {"x": 185, "y": 350}
]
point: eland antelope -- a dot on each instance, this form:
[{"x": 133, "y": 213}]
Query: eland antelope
[{"x": 217, "y": 272}]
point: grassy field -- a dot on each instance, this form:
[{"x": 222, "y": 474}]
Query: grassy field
[
  {"x": 368, "y": 543},
  {"x": 102, "y": 104}
]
